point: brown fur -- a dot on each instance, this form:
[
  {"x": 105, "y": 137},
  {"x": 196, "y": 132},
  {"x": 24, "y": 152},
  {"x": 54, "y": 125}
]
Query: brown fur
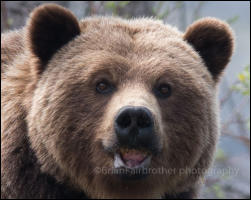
[
  {"x": 214, "y": 42},
  {"x": 50, "y": 27},
  {"x": 56, "y": 129}
]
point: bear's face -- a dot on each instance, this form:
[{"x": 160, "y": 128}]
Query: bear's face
[{"x": 114, "y": 98}]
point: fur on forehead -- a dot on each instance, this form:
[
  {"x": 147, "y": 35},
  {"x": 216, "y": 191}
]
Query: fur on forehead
[{"x": 212, "y": 39}]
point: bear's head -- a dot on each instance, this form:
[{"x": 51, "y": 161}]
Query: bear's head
[{"x": 124, "y": 108}]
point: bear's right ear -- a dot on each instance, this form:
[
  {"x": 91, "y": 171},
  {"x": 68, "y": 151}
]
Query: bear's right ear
[{"x": 50, "y": 27}]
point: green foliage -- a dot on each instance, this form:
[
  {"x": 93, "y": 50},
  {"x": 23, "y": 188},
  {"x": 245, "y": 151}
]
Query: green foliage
[
  {"x": 220, "y": 155},
  {"x": 123, "y": 3},
  {"x": 110, "y": 5},
  {"x": 243, "y": 86},
  {"x": 156, "y": 10},
  {"x": 10, "y": 21},
  {"x": 114, "y": 6},
  {"x": 163, "y": 14},
  {"x": 216, "y": 188},
  {"x": 233, "y": 19},
  {"x": 196, "y": 12}
]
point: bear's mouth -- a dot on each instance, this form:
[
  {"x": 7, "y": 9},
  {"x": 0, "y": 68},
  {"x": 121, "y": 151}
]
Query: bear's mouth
[{"x": 132, "y": 158}]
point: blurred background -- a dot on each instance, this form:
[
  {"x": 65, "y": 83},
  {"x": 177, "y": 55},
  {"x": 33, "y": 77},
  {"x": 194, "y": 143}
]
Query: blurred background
[{"x": 230, "y": 174}]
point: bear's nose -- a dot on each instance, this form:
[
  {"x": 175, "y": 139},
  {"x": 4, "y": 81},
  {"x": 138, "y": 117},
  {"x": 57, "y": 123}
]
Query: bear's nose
[{"x": 134, "y": 126}]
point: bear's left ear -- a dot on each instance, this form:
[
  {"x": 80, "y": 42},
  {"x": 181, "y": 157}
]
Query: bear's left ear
[
  {"x": 49, "y": 28},
  {"x": 213, "y": 40}
]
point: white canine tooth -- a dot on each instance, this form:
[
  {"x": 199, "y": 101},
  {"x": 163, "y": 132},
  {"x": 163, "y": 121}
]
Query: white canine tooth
[{"x": 118, "y": 161}]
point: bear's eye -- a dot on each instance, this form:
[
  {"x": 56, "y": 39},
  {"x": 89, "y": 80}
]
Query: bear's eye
[
  {"x": 163, "y": 90},
  {"x": 104, "y": 87}
]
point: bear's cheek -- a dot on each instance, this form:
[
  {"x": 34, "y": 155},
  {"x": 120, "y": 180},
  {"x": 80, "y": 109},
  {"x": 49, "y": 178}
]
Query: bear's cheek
[
  {"x": 66, "y": 122},
  {"x": 187, "y": 129}
]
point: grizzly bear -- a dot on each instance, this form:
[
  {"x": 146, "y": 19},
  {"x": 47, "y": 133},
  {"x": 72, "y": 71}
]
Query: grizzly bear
[{"x": 109, "y": 108}]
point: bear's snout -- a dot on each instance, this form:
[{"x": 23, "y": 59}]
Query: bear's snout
[{"x": 134, "y": 127}]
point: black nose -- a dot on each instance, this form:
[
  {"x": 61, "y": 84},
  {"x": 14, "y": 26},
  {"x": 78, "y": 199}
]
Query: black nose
[{"x": 134, "y": 126}]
